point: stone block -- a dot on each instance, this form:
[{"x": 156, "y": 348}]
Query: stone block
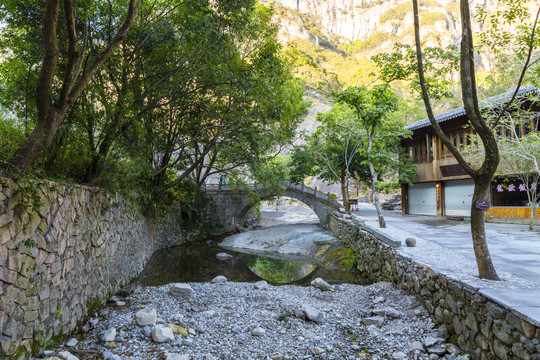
[
  {"x": 30, "y": 316},
  {"x": 502, "y": 331},
  {"x": 500, "y": 350},
  {"x": 528, "y": 329},
  {"x": 8, "y": 276},
  {"x": 471, "y": 322}
]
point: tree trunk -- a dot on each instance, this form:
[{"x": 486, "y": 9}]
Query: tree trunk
[
  {"x": 52, "y": 106},
  {"x": 482, "y": 176},
  {"x": 374, "y": 176},
  {"x": 38, "y": 141},
  {"x": 376, "y": 201},
  {"x": 344, "y": 190},
  {"x": 486, "y": 270},
  {"x": 533, "y": 215}
]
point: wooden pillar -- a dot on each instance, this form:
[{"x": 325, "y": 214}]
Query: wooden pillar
[
  {"x": 440, "y": 198},
  {"x": 404, "y": 199}
]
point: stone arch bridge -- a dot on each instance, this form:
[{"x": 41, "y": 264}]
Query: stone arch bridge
[{"x": 229, "y": 206}]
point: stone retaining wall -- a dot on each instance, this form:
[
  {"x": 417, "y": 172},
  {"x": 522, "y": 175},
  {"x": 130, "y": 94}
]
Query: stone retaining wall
[
  {"x": 480, "y": 326},
  {"x": 62, "y": 248}
]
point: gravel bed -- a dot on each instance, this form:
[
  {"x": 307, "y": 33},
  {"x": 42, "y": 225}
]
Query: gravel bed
[{"x": 233, "y": 320}]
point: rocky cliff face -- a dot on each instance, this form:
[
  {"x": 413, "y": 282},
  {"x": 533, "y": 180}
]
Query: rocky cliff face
[{"x": 388, "y": 21}]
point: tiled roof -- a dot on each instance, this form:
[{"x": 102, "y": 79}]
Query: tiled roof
[{"x": 454, "y": 113}]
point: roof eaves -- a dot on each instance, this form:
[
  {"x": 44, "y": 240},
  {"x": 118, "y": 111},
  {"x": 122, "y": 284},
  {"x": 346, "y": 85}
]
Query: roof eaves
[{"x": 454, "y": 113}]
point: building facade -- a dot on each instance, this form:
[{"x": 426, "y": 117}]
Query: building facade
[{"x": 442, "y": 187}]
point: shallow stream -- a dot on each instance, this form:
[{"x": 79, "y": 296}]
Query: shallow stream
[{"x": 197, "y": 262}]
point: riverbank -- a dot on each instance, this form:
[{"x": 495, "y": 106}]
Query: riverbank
[{"x": 236, "y": 320}]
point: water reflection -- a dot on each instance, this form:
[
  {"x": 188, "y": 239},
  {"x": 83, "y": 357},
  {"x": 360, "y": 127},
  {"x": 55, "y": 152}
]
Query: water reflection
[
  {"x": 197, "y": 263},
  {"x": 278, "y": 271}
]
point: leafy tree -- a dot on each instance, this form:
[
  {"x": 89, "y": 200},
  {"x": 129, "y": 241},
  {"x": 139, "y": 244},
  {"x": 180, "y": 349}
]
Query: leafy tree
[
  {"x": 70, "y": 58},
  {"x": 332, "y": 152},
  {"x": 520, "y": 151},
  {"x": 483, "y": 174},
  {"x": 197, "y": 88},
  {"x": 379, "y": 137}
]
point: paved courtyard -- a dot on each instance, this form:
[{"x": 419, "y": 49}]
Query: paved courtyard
[{"x": 513, "y": 248}]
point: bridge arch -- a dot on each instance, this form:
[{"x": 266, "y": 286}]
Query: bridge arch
[{"x": 230, "y": 206}]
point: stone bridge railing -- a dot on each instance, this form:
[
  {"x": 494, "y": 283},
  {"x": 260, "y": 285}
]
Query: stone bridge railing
[
  {"x": 289, "y": 185},
  {"x": 230, "y": 204}
]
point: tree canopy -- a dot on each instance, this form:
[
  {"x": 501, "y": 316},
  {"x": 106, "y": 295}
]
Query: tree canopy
[{"x": 195, "y": 88}]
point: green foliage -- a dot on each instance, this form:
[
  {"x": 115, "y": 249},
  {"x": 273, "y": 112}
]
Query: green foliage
[
  {"x": 386, "y": 186},
  {"x": 398, "y": 12},
  {"x": 430, "y": 18},
  {"x": 374, "y": 41},
  {"x": 93, "y": 305},
  {"x": 438, "y": 66},
  {"x": 302, "y": 163},
  {"x": 11, "y": 137},
  {"x": 284, "y": 315},
  {"x": 198, "y": 88},
  {"x": 453, "y": 9}
]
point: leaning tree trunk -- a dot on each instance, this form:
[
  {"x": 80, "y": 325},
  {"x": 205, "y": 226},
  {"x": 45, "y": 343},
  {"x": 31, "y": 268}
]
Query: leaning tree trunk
[
  {"x": 39, "y": 140},
  {"x": 486, "y": 270},
  {"x": 53, "y": 103}
]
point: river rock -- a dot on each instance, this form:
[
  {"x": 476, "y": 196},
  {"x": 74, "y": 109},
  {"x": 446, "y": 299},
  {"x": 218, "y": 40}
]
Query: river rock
[
  {"x": 146, "y": 317},
  {"x": 389, "y": 312},
  {"x": 209, "y": 313},
  {"x": 241, "y": 229},
  {"x": 373, "y": 330},
  {"x": 72, "y": 342},
  {"x": 313, "y": 314},
  {"x": 236, "y": 329},
  {"x": 258, "y": 331},
  {"x": 170, "y": 356},
  {"x": 452, "y": 349},
  {"x": 417, "y": 346},
  {"x": 107, "y": 355},
  {"x": 181, "y": 290},
  {"x": 321, "y": 284},
  {"x": 219, "y": 279},
  {"x": 66, "y": 355},
  {"x": 399, "y": 355},
  {"x": 223, "y": 256},
  {"x": 437, "y": 350},
  {"x": 261, "y": 285},
  {"x": 109, "y": 335},
  {"x": 430, "y": 341},
  {"x": 373, "y": 320},
  {"x": 164, "y": 334}
]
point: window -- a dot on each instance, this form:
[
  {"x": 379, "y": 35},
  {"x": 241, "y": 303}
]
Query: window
[{"x": 505, "y": 191}]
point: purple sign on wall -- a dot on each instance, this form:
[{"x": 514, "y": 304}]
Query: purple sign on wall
[{"x": 482, "y": 204}]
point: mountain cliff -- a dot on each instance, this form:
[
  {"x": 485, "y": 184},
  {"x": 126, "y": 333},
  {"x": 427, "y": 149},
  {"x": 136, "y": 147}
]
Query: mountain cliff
[{"x": 379, "y": 22}]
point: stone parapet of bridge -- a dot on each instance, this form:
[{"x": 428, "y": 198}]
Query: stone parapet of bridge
[{"x": 229, "y": 205}]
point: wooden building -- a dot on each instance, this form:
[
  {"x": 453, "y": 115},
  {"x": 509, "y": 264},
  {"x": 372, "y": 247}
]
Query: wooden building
[{"x": 441, "y": 187}]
